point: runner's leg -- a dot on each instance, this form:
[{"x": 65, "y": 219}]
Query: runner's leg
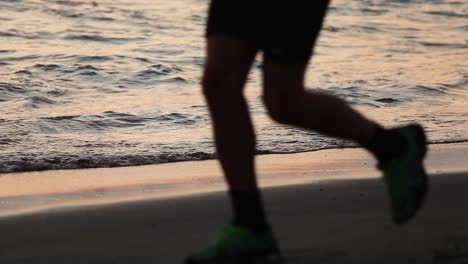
[
  {"x": 400, "y": 151},
  {"x": 247, "y": 237},
  {"x": 227, "y": 66},
  {"x": 288, "y": 102},
  {"x": 228, "y": 63}
]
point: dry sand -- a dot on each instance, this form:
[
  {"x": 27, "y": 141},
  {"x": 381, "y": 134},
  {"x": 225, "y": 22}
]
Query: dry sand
[{"x": 130, "y": 217}]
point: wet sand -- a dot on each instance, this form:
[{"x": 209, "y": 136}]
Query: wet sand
[{"x": 340, "y": 220}]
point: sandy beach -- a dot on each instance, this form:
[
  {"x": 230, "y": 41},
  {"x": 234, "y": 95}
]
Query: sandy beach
[
  {"x": 326, "y": 207},
  {"x": 106, "y": 126}
]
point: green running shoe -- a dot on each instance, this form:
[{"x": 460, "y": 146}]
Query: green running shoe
[
  {"x": 239, "y": 245},
  {"x": 405, "y": 176}
]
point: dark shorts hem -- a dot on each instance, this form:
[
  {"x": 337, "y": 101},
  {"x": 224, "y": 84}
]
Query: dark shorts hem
[{"x": 285, "y": 31}]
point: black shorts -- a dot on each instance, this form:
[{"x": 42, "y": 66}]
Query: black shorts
[{"x": 286, "y": 31}]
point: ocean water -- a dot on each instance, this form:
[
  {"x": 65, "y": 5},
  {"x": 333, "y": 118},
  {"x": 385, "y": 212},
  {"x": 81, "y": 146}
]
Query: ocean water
[{"x": 107, "y": 83}]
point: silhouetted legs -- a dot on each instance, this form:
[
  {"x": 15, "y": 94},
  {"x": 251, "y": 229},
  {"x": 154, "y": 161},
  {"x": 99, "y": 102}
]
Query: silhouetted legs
[{"x": 228, "y": 63}]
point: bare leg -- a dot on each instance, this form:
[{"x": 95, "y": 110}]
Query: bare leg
[
  {"x": 400, "y": 151},
  {"x": 289, "y": 103},
  {"x": 227, "y": 66}
]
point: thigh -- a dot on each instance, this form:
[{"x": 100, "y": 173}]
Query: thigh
[
  {"x": 228, "y": 62},
  {"x": 288, "y": 30},
  {"x": 283, "y": 83}
]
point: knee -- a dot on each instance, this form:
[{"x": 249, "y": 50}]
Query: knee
[
  {"x": 220, "y": 86},
  {"x": 280, "y": 113},
  {"x": 209, "y": 84},
  {"x": 282, "y": 109}
]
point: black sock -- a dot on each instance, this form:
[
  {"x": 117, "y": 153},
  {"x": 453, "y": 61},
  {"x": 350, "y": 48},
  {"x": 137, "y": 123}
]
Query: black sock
[
  {"x": 248, "y": 210},
  {"x": 386, "y": 144}
]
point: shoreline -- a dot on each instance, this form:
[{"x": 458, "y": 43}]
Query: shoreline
[
  {"x": 325, "y": 207},
  {"x": 51, "y": 190}
]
